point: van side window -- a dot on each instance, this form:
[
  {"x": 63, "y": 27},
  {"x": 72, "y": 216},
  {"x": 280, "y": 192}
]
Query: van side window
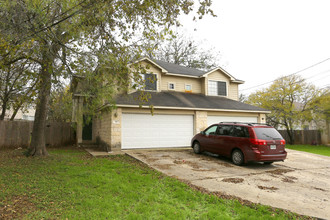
[
  {"x": 211, "y": 130},
  {"x": 225, "y": 130},
  {"x": 240, "y": 131}
]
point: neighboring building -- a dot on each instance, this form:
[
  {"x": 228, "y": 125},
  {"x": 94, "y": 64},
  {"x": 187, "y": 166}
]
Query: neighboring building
[
  {"x": 185, "y": 101},
  {"x": 27, "y": 114}
]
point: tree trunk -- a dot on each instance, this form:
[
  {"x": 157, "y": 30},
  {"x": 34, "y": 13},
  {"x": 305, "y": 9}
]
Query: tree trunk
[
  {"x": 291, "y": 136},
  {"x": 3, "y": 112},
  {"x": 15, "y": 113},
  {"x": 38, "y": 143}
]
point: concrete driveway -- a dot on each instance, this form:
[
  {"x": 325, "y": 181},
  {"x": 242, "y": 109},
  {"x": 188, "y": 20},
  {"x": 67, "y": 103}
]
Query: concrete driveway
[{"x": 300, "y": 184}]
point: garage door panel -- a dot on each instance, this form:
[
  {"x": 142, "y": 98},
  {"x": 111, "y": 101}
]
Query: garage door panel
[
  {"x": 147, "y": 131},
  {"x": 216, "y": 119}
]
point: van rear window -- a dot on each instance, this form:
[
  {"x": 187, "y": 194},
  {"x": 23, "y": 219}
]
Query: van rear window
[{"x": 267, "y": 134}]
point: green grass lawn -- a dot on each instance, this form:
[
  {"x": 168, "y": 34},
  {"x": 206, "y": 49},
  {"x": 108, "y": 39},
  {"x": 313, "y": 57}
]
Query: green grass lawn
[
  {"x": 70, "y": 184},
  {"x": 315, "y": 149}
]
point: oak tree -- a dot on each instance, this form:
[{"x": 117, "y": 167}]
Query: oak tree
[
  {"x": 290, "y": 101},
  {"x": 92, "y": 38}
]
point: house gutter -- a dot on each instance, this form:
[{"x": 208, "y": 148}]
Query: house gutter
[{"x": 184, "y": 108}]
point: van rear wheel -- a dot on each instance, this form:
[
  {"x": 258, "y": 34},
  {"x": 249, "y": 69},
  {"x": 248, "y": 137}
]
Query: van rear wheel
[{"x": 237, "y": 157}]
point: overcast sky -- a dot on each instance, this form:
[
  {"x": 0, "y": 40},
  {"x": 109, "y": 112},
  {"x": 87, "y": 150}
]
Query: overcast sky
[{"x": 261, "y": 40}]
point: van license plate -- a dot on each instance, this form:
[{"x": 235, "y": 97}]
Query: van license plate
[{"x": 273, "y": 147}]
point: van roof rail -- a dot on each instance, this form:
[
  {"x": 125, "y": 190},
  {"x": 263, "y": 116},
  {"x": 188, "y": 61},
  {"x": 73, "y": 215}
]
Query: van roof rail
[{"x": 248, "y": 123}]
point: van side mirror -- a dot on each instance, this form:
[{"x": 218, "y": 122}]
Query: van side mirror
[{"x": 202, "y": 132}]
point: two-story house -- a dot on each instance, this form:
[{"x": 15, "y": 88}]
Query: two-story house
[{"x": 185, "y": 101}]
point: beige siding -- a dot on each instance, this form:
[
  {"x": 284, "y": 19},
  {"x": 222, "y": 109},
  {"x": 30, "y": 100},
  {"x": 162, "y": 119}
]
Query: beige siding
[
  {"x": 232, "y": 88},
  {"x": 216, "y": 76},
  {"x": 180, "y": 83},
  {"x": 233, "y": 114},
  {"x": 150, "y": 68},
  {"x": 233, "y": 91}
]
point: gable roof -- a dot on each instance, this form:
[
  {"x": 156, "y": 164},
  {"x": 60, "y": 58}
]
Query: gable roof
[
  {"x": 179, "y": 70},
  {"x": 191, "y": 101}
]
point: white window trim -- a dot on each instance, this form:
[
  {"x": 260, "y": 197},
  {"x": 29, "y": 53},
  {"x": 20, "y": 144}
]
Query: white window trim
[
  {"x": 227, "y": 85},
  {"x": 168, "y": 85},
  {"x": 188, "y": 84}
]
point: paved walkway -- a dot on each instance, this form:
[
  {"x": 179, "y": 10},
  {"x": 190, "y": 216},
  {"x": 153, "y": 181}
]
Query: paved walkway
[{"x": 300, "y": 184}]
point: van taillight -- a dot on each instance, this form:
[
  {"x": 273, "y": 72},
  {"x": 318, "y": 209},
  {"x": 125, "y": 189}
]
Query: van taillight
[
  {"x": 283, "y": 142},
  {"x": 257, "y": 142}
]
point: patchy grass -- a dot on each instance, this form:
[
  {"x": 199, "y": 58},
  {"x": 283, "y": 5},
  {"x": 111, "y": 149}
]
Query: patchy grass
[
  {"x": 315, "y": 149},
  {"x": 70, "y": 184}
]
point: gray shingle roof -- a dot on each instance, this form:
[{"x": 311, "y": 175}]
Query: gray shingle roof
[
  {"x": 178, "y": 69},
  {"x": 187, "y": 100}
]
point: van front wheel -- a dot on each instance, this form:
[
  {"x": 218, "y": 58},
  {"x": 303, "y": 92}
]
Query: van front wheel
[{"x": 196, "y": 148}]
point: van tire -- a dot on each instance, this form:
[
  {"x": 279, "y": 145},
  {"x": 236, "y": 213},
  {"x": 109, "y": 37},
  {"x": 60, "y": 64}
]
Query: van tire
[
  {"x": 197, "y": 147},
  {"x": 237, "y": 157}
]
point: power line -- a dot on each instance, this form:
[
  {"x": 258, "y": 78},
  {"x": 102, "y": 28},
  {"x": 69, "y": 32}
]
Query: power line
[{"x": 309, "y": 67}]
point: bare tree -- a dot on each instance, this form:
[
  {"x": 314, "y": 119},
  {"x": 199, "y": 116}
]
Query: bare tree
[{"x": 183, "y": 50}]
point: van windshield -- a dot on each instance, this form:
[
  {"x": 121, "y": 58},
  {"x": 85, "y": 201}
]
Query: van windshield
[{"x": 267, "y": 134}]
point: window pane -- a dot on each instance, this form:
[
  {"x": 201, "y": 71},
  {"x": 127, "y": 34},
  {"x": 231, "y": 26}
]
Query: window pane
[
  {"x": 267, "y": 134},
  {"x": 150, "y": 81},
  {"x": 211, "y": 130},
  {"x": 240, "y": 131},
  {"x": 225, "y": 130},
  {"x": 212, "y": 88},
  {"x": 188, "y": 87},
  {"x": 222, "y": 90}
]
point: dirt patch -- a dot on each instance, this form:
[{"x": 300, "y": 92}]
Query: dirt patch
[
  {"x": 268, "y": 188},
  {"x": 204, "y": 170},
  {"x": 240, "y": 200},
  {"x": 289, "y": 179},
  {"x": 323, "y": 190},
  {"x": 189, "y": 163},
  {"x": 16, "y": 208},
  {"x": 150, "y": 160},
  {"x": 163, "y": 166},
  {"x": 233, "y": 180},
  {"x": 279, "y": 171}
]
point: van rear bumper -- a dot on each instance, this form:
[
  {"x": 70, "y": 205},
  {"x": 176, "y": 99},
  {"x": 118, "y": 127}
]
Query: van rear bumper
[{"x": 258, "y": 156}]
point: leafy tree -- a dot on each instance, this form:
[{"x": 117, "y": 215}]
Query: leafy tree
[
  {"x": 17, "y": 87},
  {"x": 289, "y": 99},
  {"x": 321, "y": 105},
  {"x": 60, "y": 106},
  {"x": 92, "y": 38},
  {"x": 183, "y": 50},
  {"x": 243, "y": 98}
]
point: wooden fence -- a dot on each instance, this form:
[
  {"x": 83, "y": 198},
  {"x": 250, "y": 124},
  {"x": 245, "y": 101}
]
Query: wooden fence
[
  {"x": 303, "y": 136},
  {"x": 18, "y": 134}
]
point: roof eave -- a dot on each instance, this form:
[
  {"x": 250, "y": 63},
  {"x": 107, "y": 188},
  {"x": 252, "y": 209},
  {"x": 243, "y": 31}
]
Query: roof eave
[
  {"x": 151, "y": 61},
  {"x": 186, "y": 108},
  {"x": 181, "y": 75}
]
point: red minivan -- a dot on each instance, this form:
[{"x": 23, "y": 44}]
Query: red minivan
[{"x": 242, "y": 142}]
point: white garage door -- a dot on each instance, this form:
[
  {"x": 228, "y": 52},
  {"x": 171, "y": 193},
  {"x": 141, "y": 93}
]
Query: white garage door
[
  {"x": 216, "y": 119},
  {"x": 147, "y": 131}
]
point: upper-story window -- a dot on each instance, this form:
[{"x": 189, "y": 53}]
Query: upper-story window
[
  {"x": 217, "y": 88},
  {"x": 150, "y": 81},
  {"x": 188, "y": 88},
  {"x": 171, "y": 86}
]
